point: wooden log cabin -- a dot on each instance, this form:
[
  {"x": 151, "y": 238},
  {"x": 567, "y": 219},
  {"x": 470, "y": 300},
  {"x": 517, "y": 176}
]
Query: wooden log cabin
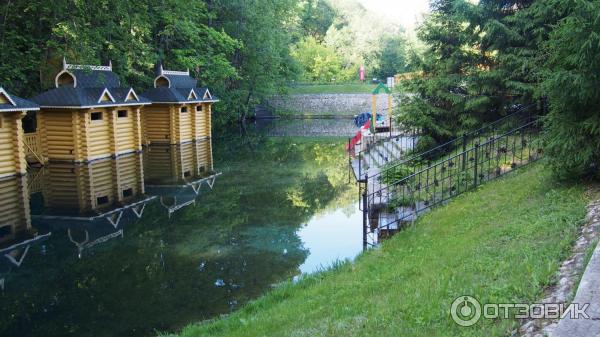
[
  {"x": 180, "y": 111},
  {"x": 88, "y": 116},
  {"x": 12, "y": 140},
  {"x": 176, "y": 173}
]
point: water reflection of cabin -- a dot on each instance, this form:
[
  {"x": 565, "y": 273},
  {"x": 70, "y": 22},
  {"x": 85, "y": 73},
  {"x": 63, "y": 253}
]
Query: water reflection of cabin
[
  {"x": 176, "y": 173},
  {"x": 16, "y": 233},
  {"x": 180, "y": 111},
  {"x": 12, "y": 142},
  {"x": 88, "y": 116},
  {"x": 92, "y": 201}
]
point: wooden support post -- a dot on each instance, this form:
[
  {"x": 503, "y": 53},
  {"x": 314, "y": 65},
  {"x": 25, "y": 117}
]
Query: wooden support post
[
  {"x": 193, "y": 120},
  {"x": 18, "y": 143},
  {"x": 137, "y": 128},
  {"x": 173, "y": 110},
  {"x": 112, "y": 131}
]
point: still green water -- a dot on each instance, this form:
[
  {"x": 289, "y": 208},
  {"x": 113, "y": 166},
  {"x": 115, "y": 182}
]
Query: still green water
[{"x": 281, "y": 207}]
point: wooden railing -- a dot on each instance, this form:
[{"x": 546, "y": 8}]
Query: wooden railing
[{"x": 33, "y": 147}]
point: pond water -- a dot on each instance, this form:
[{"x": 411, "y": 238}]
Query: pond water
[{"x": 281, "y": 207}]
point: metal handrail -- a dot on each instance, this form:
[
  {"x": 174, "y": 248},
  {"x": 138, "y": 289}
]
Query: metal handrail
[
  {"x": 448, "y": 144},
  {"x": 483, "y": 166}
]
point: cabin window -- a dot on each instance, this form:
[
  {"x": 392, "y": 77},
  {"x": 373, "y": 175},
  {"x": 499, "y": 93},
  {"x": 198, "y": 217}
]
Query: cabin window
[
  {"x": 202, "y": 168},
  {"x": 5, "y": 231},
  {"x": 96, "y": 116},
  {"x": 122, "y": 113},
  {"x": 128, "y": 192},
  {"x": 102, "y": 200},
  {"x": 187, "y": 174},
  {"x": 184, "y": 109},
  {"x": 199, "y": 108}
]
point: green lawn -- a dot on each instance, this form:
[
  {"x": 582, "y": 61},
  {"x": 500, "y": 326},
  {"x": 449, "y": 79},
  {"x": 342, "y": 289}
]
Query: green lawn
[
  {"x": 332, "y": 89},
  {"x": 500, "y": 243}
]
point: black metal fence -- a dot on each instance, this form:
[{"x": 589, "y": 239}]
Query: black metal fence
[{"x": 389, "y": 200}]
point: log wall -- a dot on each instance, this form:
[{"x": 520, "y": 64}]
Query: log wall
[
  {"x": 12, "y": 150},
  {"x": 72, "y": 135}
]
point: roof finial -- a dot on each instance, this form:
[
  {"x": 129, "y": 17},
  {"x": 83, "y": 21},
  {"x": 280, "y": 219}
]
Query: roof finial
[
  {"x": 110, "y": 64},
  {"x": 188, "y": 71},
  {"x": 64, "y": 63},
  {"x": 161, "y": 68}
]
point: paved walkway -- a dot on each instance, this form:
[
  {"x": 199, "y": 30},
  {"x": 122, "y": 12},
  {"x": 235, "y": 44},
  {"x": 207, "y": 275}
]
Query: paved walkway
[{"x": 588, "y": 292}]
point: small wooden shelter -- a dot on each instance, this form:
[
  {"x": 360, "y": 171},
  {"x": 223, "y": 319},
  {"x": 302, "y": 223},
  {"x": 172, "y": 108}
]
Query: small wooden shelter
[
  {"x": 176, "y": 173},
  {"x": 180, "y": 111},
  {"x": 88, "y": 116},
  {"x": 12, "y": 142}
]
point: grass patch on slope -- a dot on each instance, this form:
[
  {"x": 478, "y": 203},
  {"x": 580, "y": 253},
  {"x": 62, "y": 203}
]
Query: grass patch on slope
[{"x": 501, "y": 243}]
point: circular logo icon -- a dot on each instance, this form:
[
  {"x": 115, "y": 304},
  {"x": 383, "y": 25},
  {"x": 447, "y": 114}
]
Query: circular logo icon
[{"x": 465, "y": 311}]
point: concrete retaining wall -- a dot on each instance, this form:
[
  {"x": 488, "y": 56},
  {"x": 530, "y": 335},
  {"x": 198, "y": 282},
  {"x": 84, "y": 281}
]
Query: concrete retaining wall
[{"x": 327, "y": 104}]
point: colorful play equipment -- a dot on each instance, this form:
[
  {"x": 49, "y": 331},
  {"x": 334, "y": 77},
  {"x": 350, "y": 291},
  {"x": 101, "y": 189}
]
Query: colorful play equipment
[{"x": 381, "y": 127}]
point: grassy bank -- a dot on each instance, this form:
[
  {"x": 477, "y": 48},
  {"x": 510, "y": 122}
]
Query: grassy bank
[
  {"x": 356, "y": 88},
  {"x": 501, "y": 243}
]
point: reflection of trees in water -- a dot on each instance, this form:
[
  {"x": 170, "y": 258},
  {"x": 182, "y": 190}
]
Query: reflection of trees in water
[
  {"x": 139, "y": 283},
  {"x": 231, "y": 247}
]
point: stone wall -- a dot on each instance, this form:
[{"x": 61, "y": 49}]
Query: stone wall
[{"x": 327, "y": 104}]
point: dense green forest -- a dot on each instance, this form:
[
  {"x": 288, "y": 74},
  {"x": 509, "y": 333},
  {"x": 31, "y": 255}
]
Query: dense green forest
[
  {"x": 484, "y": 58},
  {"x": 243, "y": 50},
  {"x": 479, "y": 60}
]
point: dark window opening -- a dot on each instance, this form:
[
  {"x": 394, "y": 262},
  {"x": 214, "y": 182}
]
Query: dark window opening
[
  {"x": 161, "y": 82},
  {"x": 184, "y": 109},
  {"x": 65, "y": 80},
  {"x": 122, "y": 113},
  {"x": 29, "y": 122},
  {"x": 96, "y": 116},
  {"x": 187, "y": 174},
  {"x": 199, "y": 108},
  {"x": 127, "y": 192},
  {"x": 202, "y": 168},
  {"x": 103, "y": 200},
  {"x": 5, "y": 231}
]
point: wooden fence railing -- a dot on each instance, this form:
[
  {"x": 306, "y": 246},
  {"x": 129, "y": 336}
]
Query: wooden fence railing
[{"x": 33, "y": 147}]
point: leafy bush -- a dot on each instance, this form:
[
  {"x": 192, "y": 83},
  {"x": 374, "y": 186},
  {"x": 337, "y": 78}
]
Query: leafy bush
[{"x": 392, "y": 174}]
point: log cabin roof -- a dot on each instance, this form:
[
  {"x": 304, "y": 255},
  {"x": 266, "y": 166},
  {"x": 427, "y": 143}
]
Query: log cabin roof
[
  {"x": 179, "y": 95},
  {"x": 10, "y": 102},
  {"x": 89, "y": 78},
  {"x": 85, "y": 86},
  {"x": 177, "y": 87},
  {"x": 70, "y": 97}
]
